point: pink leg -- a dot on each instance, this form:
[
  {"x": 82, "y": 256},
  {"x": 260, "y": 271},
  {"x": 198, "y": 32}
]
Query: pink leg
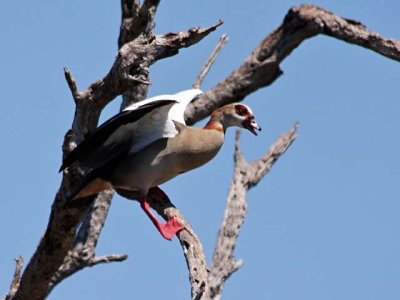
[{"x": 167, "y": 230}]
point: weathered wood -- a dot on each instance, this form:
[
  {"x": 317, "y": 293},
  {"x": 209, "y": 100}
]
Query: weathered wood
[{"x": 64, "y": 249}]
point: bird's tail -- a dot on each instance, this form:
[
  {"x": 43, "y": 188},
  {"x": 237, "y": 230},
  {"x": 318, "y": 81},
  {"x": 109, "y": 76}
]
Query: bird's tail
[{"x": 91, "y": 185}]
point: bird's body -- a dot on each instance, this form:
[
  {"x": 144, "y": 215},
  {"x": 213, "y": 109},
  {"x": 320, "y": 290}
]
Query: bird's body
[
  {"x": 159, "y": 162},
  {"x": 148, "y": 144},
  {"x": 166, "y": 158}
]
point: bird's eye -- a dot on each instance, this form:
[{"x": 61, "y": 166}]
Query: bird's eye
[{"x": 241, "y": 110}]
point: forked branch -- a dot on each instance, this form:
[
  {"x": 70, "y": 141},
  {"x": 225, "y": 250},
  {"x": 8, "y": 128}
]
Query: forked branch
[
  {"x": 55, "y": 258},
  {"x": 244, "y": 178},
  {"x": 262, "y": 67}
]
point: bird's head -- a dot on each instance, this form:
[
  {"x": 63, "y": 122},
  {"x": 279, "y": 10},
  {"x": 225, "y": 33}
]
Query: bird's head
[{"x": 238, "y": 114}]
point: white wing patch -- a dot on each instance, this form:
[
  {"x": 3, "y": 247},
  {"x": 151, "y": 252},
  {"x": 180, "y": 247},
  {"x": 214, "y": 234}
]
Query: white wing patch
[
  {"x": 177, "y": 111},
  {"x": 156, "y": 124}
]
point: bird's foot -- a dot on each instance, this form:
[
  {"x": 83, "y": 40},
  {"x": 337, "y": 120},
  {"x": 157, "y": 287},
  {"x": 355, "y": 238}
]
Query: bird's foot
[{"x": 167, "y": 230}]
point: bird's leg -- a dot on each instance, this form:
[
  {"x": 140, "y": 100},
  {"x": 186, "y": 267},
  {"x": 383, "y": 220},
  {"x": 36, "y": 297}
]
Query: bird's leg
[{"x": 167, "y": 230}]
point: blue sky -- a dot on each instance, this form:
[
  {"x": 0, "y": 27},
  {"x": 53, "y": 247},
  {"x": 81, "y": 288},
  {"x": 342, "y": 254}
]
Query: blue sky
[{"x": 322, "y": 225}]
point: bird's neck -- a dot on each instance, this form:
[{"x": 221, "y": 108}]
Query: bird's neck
[{"x": 215, "y": 123}]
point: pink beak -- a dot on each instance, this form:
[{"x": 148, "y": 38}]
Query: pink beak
[{"x": 251, "y": 125}]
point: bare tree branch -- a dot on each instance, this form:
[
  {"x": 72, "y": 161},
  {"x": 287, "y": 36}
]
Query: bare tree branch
[
  {"x": 130, "y": 66},
  {"x": 245, "y": 177},
  {"x": 258, "y": 169},
  {"x": 65, "y": 247},
  {"x": 262, "y": 66},
  {"x": 191, "y": 245},
  {"x": 207, "y": 66},
  {"x": 19, "y": 262},
  {"x": 207, "y": 284},
  {"x": 136, "y": 20},
  {"x": 72, "y": 268},
  {"x": 71, "y": 83},
  {"x": 83, "y": 252},
  {"x": 108, "y": 258}
]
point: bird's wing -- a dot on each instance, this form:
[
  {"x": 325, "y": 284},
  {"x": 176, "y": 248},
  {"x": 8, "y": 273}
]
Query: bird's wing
[
  {"x": 157, "y": 124},
  {"x": 177, "y": 111},
  {"x": 133, "y": 129},
  {"x": 137, "y": 127}
]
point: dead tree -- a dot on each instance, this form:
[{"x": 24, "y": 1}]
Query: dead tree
[{"x": 69, "y": 242}]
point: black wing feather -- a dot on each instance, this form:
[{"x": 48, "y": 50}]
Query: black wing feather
[{"x": 101, "y": 134}]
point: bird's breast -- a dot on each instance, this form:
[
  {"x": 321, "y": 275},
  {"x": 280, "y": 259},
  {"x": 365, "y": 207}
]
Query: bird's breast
[
  {"x": 192, "y": 148},
  {"x": 166, "y": 158}
]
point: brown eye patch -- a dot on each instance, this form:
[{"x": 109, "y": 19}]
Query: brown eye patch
[{"x": 242, "y": 110}]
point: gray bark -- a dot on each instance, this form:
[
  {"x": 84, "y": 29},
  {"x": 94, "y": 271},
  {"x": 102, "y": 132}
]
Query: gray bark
[{"x": 64, "y": 250}]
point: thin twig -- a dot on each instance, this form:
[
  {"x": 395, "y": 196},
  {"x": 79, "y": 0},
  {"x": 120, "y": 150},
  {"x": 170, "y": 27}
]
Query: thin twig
[
  {"x": 19, "y": 262},
  {"x": 71, "y": 83},
  {"x": 261, "y": 167},
  {"x": 207, "y": 66},
  {"x": 107, "y": 259}
]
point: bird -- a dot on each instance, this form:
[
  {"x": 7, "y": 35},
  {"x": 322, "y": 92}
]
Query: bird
[{"x": 147, "y": 144}]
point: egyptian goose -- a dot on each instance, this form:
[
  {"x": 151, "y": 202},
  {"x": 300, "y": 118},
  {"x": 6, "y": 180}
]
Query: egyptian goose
[{"x": 148, "y": 144}]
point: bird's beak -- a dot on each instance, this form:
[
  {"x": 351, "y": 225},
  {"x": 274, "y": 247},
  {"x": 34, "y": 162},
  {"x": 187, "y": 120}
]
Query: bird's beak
[{"x": 251, "y": 125}]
